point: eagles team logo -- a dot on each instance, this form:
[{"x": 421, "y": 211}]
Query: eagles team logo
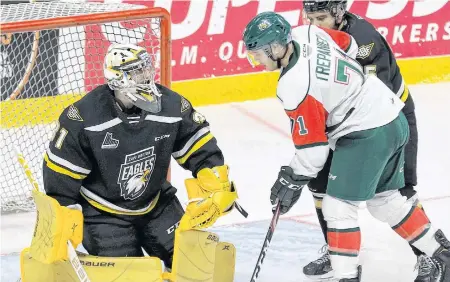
[{"x": 135, "y": 173}]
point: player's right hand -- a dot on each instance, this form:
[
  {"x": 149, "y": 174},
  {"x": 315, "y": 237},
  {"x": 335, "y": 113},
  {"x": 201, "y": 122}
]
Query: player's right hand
[{"x": 287, "y": 188}]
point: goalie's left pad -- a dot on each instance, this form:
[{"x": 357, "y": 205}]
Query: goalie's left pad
[
  {"x": 55, "y": 225},
  {"x": 199, "y": 256},
  {"x": 211, "y": 195}
]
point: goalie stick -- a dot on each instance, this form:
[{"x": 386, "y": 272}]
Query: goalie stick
[
  {"x": 266, "y": 244},
  {"x": 74, "y": 260}
]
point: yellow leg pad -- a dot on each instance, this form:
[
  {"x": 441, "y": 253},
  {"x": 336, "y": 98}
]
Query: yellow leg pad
[
  {"x": 55, "y": 225},
  {"x": 225, "y": 262},
  {"x": 99, "y": 269},
  {"x": 194, "y": 256}
]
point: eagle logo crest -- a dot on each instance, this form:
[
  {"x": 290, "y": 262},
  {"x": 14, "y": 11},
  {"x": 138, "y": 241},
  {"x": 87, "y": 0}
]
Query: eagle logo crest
[{"x": 135, "y": 173}]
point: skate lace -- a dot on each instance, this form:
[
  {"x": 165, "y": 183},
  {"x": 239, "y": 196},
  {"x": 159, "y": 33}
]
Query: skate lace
[
  {"x": 424, "y": 265},
  {"x": 325, "y": 257}
]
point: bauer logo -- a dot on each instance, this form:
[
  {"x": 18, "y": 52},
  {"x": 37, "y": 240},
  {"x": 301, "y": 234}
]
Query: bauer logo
[
  {"x": 135, "y": 173},
  {"x": 97, "y": 263}
]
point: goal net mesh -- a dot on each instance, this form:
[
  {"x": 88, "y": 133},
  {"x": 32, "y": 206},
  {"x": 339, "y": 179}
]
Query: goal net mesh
[{"x": 43, "y": 71}]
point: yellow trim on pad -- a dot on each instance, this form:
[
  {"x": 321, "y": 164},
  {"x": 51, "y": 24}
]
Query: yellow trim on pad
[{"x": 218, "y": 90}]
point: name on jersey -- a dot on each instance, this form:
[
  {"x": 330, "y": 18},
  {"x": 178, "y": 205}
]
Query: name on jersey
[
  {"x": 135, "y": 173},
  {"x": 323, "y": 64}
]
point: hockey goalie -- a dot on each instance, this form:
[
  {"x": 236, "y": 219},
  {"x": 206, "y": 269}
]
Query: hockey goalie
[{"x": 105, "y": 181}]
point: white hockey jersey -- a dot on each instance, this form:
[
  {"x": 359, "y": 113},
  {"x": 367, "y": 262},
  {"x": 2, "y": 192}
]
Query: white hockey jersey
[{"x": 326, "y": 95}]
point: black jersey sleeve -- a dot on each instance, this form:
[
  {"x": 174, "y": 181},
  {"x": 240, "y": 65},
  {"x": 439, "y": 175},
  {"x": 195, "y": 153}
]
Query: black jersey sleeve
[
  {"x": 195, "y": 147},
  {"x": 66, "y": 160},
  {"x": 374, "y": 53}
]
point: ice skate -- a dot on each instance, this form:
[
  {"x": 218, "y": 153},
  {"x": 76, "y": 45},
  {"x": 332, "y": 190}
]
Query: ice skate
[
  {"x": 426, "y": 267},
  {"x": 320, "y": 269},
  {"x": 437, "y": 267}
]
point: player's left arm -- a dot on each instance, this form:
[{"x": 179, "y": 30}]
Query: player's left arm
[
  {"x": 308, "y": 123},
  {"x": 211, "y": 194},
  {"x": 195, "y": 147}
]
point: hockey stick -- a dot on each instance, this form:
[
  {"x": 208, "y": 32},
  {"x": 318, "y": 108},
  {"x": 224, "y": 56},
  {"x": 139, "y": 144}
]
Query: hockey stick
[
  {"x": 266, "y": 244},
  {"x": 74, "y": 260}
]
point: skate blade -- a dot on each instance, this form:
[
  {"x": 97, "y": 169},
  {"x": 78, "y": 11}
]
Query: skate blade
[{"x": 324, "y": 277}]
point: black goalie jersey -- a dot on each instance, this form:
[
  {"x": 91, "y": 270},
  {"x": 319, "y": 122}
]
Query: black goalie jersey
[{"x": 118, "y": 162}]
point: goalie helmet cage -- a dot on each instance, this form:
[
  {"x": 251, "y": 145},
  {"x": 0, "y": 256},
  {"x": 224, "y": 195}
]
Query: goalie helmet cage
[{"x": 51, "y": 55}]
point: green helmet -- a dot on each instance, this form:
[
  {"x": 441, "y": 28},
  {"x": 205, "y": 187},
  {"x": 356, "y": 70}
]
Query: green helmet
[{"x": 266, "y": 28}]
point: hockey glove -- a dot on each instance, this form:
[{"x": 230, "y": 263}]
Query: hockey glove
[
  {"x": 211, "y": 195},
  {"x": 288, "y": 188}
]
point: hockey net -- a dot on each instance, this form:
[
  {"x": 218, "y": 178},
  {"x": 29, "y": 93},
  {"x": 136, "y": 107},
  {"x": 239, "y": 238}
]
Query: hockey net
[{"x": 51, "y": 55}]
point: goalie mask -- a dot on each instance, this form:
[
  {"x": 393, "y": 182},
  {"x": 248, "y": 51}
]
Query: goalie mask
[{"x": 130, "y": 73}]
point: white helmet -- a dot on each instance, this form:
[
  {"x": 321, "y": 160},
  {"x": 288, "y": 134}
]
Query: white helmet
[{"x": 129, "y": 71}]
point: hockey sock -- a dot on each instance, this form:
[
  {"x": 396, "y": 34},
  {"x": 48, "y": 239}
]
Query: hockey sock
[
  {"x": 415, "y": 250},
  {"x": 344, "y": 241},
  {"x": 416, "y": 228},
  {"x": 406, "y": 218},
  {"x": 344, "y": 236},
  {"x": 323, "y": 224},
  {"x": 409, "y": 192}
]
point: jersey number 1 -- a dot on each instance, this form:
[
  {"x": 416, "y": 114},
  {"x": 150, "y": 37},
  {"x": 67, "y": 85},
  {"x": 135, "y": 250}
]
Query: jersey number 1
[{"x": 60, "y": 136}]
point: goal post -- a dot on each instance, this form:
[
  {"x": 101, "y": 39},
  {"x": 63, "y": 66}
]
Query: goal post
[{"x": 51, "y": 54}]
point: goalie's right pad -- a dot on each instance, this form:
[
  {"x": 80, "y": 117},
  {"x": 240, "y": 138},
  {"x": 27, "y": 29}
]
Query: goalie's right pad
[
  {"x": 199, "y": 256},
  {"x": 55, "y": 225},
  {"x": 98, "y": 269},
  {"x": 211, "y": 195}
]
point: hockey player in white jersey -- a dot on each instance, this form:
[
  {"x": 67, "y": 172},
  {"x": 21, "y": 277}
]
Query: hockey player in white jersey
[{"x": 332, "y": 104}]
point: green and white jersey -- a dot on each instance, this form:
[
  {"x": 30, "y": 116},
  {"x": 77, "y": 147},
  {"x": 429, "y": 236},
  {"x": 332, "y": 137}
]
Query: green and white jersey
[{"x": 326, "y": 95}]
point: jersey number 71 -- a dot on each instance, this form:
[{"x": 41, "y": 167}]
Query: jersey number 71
[{"x": 301, "y": 125}]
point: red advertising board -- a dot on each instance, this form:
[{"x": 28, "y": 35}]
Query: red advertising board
[{"x": 207, "y": 34}]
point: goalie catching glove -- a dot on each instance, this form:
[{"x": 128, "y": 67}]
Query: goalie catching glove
[
  {"x": 211, "y": 195},
  {"x": 288, "y": 188}
]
